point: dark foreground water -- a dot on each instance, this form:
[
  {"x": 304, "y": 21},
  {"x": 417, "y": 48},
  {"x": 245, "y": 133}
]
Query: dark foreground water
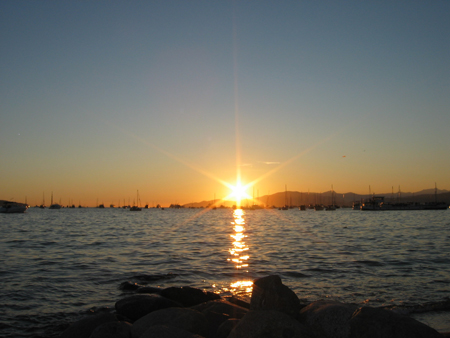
[{"x": 57, "y": 265}]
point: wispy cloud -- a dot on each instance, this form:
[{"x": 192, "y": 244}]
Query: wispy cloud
[{"x": 269, "y": 163}]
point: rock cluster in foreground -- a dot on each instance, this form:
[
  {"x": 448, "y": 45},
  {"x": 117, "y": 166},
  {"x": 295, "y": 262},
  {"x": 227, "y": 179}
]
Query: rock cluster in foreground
[{"x": 274, "y": 312}]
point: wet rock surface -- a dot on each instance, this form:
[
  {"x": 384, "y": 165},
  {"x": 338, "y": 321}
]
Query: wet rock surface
[
  {"x": 188, "y": 296},
  {"x": 112, "y": 330},
  {"x": 274, "y": 311},
  {"x": 269, "y": 293},
  {"x": 84, "y": 327},
  {"x": 328, "y": 319},
  {"x": 135, "y": 307},
  {"x": 368, "y": 322},
  {"x": 183, "y": 318},
  {"x": 269, "y": 323}
]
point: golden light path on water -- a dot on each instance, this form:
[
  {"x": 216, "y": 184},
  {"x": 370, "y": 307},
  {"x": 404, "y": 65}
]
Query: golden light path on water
[{"x": 239, "y": 253}]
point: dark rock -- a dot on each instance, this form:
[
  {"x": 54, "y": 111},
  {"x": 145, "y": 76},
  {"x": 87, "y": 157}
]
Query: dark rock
[
  {"x": 226, "y": 327},
  {"x": 269, "y": 324},
  {"x": 112, "y": 330},
  {"x": 328, "y": 319},
  {"x": 269, "y": 293},
  {"x": 369, "y": 322},
  {"x": 84, "y": 327},
  {"x": 129, "y": 286},
  {"x": 237, "y": 301},
  {"x": 137, "y": 306},
  {"x": 182, "y": 318},
  {"x": 149, "y": 289},
  {"x": 188, "y": 296},
  {"x": 219, "y": 311},
  {"x": 162, "y": 331},
  {"x": 222, "y": 306},
  {"x": 214, "y": 320}
]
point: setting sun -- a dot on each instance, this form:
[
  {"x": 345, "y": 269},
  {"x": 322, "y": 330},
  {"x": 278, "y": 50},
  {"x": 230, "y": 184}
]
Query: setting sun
[{"x": 238, "y": 193}]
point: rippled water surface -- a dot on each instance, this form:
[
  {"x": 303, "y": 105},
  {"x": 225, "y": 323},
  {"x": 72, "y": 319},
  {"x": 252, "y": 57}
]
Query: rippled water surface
[{"x": 58, "y": 264}]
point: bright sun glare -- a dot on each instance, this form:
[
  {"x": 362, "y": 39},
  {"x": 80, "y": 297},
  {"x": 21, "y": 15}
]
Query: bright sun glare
[{"x": 238, "y": 193}]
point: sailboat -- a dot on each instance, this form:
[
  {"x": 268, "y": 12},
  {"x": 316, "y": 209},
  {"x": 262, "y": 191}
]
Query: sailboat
[
  {"x": 332, "y": 206},
  {"x": 214, "y": 204},
  {"x": 42, "y": 206},
  {"x": 136, "y": 207},
  {"x": 54, "y": 206},
  {"x": 285, "y": 207}
]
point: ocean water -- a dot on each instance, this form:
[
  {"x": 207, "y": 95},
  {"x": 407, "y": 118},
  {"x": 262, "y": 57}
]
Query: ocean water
[{"x": 58, "y": 265}]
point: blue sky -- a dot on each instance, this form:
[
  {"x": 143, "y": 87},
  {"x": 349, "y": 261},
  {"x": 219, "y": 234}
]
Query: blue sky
[{"x": 100, "y": 98}]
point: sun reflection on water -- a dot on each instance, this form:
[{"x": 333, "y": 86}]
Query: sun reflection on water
[{"x": 239, "y": 254}]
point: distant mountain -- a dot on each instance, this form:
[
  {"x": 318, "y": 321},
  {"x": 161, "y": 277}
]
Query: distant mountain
[
  {"x": 296, "y": 198},
  {"x": 431, "y": 191}
]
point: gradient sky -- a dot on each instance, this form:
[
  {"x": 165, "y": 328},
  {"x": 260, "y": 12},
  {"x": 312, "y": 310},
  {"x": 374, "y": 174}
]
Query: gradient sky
[{"x": 99, "y": 99}]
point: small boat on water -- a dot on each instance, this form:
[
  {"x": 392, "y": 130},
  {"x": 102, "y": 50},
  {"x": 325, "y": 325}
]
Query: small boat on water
[
  {"x": 285, "y": 206},
  {"x": 12, "y": 207},
  {"x": 42, "y": 206},
  {"x": 136, "y": 207},
  {"x": 332, "y": 206},
  {"x": 377, "y": 203},
  {"x": 54, "y": 205}
]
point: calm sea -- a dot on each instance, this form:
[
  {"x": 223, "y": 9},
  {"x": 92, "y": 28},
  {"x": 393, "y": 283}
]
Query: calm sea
[{"x": 57, "y": 265}]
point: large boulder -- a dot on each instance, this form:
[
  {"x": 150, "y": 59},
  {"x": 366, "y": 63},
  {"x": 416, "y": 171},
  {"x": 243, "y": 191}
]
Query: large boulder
[
  {"x": 369, "y": 322},
  {"x": 112, "y": 330},
  {"x": 129, "y": 286},
  {"x": 149, "y": 289},
  {"x": 222, "y": 306},
  {"x": 188, "y": 296},
  {"x": 182, "y": 318},
  {"x": 238, "y": 301},
  {"x": 219, "y": 311},
  {"x": 328, "y": 319},
  {"x": 269, "y": 293},
  {"x": 269, "y": 324},
  {"x": 226, "y": 327},
  {"x": 137, "y": 306},
  {"x": 84, "y": 327}
]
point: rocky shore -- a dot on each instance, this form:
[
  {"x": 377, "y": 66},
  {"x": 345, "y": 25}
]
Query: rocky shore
[{"x": 274, "y": 311}]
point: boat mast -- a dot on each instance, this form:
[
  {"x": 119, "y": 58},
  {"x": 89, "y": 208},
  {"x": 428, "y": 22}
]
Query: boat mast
[
  {"x": 435, "y": 193},
  {"x": 285, "y": 194},
  {"x": 332, "y": 196}
]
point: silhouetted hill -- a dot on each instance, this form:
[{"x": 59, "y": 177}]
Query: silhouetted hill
[{"x": 296, "y": 198}]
